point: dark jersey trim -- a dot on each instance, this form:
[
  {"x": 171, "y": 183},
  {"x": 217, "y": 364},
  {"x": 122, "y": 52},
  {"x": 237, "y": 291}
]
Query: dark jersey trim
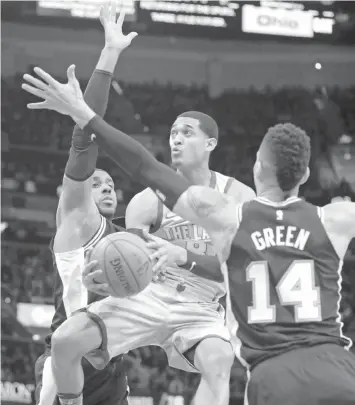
[
  {"x": 98, "y": 234},
  {"x": 213, "y": 180},
  {"x": 160, "y": 210}
]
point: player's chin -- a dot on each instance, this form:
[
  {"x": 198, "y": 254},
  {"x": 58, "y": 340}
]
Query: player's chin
[
  {"x": 107, "y": 211},
  {"x": 176, "y": 161}
]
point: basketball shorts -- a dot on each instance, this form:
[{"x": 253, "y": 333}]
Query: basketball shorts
[
  {"x": 316, "y": 375},
  {"x": 101, "y": 387},
  {"x": 157, "y": 316}
]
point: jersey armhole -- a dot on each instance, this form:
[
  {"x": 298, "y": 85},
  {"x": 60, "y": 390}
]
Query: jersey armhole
[
  {"x": 228, "y": 185},
  {"x": 157, "y": 225},
  {"x": 97, "y": 235}
]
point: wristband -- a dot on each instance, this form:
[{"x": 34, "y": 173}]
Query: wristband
[{"x": 204, "y": 266}]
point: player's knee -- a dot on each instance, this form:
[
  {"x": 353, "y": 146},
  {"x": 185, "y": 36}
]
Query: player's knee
[
  {"x": 223, "y": 356},
  {"x": 65, "y": 340},
  {"x": 76, "y": 337},
  {"x": 215, "y": 358}
]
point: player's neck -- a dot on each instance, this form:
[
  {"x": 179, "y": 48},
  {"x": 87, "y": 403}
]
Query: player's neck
[
  {"x": 274, "y": 194},
  {"x": 200, "y": 176}
]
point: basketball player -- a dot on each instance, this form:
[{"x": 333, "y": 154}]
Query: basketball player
[
  {"x": 193, "y": 137},
  {"x": 86, "y": 206},
  {"x": 196, "y": 319},
  {"x": 205, "y": 347},
  {"x": 283, "y": 255}
]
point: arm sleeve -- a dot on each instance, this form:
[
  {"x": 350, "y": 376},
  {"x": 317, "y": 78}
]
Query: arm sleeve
[
  {"x": 133, "y": 159},
  {"x": 204, "y": 266},
  {"x": 84, "y": 152}
]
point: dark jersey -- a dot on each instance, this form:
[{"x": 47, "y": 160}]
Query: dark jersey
[
  {"x": 111, "y": 376},
  {"x": 284, "y": 278}
]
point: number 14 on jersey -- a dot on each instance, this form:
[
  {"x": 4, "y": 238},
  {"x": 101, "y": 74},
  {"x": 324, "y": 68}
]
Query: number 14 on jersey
[{"x": 296, "y": 288}]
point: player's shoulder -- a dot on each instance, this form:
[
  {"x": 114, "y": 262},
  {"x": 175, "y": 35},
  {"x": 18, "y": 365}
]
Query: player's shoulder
[
  {"x": 341, "y": 216},
  {"x": 236, "y": 188},
  {"x": 340, "y": 210},
  {"x": 146, "y": 196},
  {"x": 144, "y": 201},
  {"x": 142, "y": 209},
  {"x": 240, "y": 191}
]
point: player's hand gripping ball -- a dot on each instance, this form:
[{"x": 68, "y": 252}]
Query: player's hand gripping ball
[
  {"x": 123, "y": 266},
  {"x": 164, "y": 254}
]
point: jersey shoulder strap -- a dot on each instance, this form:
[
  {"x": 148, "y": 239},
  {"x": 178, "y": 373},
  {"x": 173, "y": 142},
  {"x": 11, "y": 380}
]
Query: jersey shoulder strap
[
  {"x": 94, "y": 239},
  {"x": 97, "y": 235},
  {"x": 160, "y": 211},
  {"x": 221, "y": 181}
]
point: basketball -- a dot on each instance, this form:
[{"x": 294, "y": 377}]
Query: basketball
[{"x": 124, "y": 261}]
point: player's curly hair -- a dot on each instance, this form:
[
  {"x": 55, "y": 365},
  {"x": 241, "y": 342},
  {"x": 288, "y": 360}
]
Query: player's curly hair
[{"x": 290, "y": 150}]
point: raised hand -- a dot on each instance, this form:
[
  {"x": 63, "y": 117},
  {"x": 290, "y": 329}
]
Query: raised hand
[
  {"x": 114, "y": 37},
  {"x": 67, "y": 99},
  {"x": 57, "y": 96}
]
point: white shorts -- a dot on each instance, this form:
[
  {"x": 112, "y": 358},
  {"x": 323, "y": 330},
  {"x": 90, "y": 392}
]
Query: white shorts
[{"x": 157, "y": 316}]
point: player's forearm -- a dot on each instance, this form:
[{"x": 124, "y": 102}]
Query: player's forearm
[
  {"x": 203, "y": 266},
  {"x": 134, "y": 159},
  {"x": 98, "y": 89},
  {"x": 83, "y": 153}
]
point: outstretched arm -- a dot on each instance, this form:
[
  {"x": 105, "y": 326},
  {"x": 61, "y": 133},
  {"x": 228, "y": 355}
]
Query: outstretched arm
[
  {"x": 215, "y": 212},
  {"x": 76, "y": 194}
]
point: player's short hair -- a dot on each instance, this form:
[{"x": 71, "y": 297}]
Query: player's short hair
[
  {"x": 289, "y": 148},
  {"x": 207, "y": 124},
  {"x": 103, "y": 170}
]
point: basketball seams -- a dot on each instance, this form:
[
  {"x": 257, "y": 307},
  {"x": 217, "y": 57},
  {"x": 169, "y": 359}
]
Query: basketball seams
[
  {"x": 134, "y": 244},
  {"x": 132, "y": 254},
  {"x": 142, "y": 250},
  {"x": 137, "y": 246},
  {"x": 109, "y": 279},
  {"x": 127, "y": 265}
]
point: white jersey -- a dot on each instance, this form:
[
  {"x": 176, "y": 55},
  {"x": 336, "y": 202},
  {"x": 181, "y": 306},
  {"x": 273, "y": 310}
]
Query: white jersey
[
  {"x": 194, "y": 238},
  {"x": 70, "y": 266}
]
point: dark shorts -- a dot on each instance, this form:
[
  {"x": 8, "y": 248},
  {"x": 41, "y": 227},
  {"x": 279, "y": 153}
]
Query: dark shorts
[
  {"x": 102, "y": 387},
  {"x": 317, "y": 375}
]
